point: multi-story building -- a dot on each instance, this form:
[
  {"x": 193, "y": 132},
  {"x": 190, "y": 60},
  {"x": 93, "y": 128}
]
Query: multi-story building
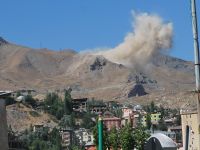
[
  {"x": 80, "y": 104},
  {"x": 155, "y": 118},
  {"x": 67, "y": 137},
  {"x": 128, "y": 116},
  {"x": 111, "y": 122},
  {"x": 84, "y": 136},
  {"x": 97, "y": 109}
]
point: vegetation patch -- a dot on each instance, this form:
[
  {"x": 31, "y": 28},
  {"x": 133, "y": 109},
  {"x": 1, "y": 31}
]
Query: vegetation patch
[{"x": 34, "y": 114}]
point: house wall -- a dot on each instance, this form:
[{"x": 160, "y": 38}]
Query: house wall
[
  {"x": 3, "y": 126},
  {"x": 110, "y": 123},
  {"x": 190, "y": 120},
  {"x": 155, "y": 118}
]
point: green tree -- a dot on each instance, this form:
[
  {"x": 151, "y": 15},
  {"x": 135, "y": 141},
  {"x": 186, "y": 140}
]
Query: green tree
[
  {"x": 178, "y": 120},
  {"x": 55, "y": 139},
  {"x": 152, "y": 107},
  {"x": 74, "y": 147},
  {"x": 18, "y": 94},
  {"x": 140, "y": 136},
  {"x": 68, "y": 102},
  {"x": 113, "y": 138},
  {"x": 68, "y": 121},
  {"x": 162, "y": 111},
  {"x": 53, "y": 105},
  {"x": 9, "y": 101},
  {"x": 41, "y": 139},
  {"x": 30, "y": 100},
  {"x": 87, "y": 122},
  {"x": 117, "y": 112},
  {"x": 126, "y": 138},
  {"x": 148, "y": 121},
  {"x": 162, "y": 125},
  {"x": 38, "y": 145}
]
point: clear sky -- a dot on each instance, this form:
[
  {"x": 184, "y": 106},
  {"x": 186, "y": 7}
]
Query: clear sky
[{"x": 85, "y": 24}]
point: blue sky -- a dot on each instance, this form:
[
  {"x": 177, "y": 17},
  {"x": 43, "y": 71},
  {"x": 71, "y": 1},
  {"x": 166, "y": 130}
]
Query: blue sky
[{"x": 89, "y": 24}]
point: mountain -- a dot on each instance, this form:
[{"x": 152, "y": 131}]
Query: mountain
[{"x": 94, "y": 76}]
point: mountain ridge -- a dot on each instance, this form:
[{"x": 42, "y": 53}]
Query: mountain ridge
[{"x": 91, "y": 75}]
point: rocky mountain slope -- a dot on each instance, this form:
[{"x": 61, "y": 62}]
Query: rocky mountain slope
[
  {"x": 21, "y": 117},
  {"x": 91, "y": 75}
]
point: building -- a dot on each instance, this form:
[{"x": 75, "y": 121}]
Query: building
[
  {"x": 126, "y": 112},
  {"x": 67, "y": 137},
  {"x": 80, "y": 104},
  {"x": 24, "y": 92},
  {"x": 98, "y": 109},
  {"x": 84, "y": 136},
  {"x": 190, "y": 129},
  {"x": 37, "y": 127},
  {"x": 90, "y": 146},
  {"x": 111, "y": 122},
  {"x": 112, "y": 105},
  {"x": 128, "y": 116},
  {"x": 169, "y": 122},
  {"x": 170, "y": 134},
  {"x": 178, "y": 131},
  {"x": 159, "y": 141},
  {"x": 155, "y": 118}
]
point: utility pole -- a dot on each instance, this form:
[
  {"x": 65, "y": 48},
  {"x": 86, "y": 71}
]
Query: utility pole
[
  {"x": 100, "y": 133},
  {"x": 196, "y": 62}
]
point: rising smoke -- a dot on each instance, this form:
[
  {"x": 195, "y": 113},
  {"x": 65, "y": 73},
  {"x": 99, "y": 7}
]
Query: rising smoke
[{"x": 150, "y": 36}]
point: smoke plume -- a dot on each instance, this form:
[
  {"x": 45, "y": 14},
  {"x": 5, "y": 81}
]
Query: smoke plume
[{"x": 150, "y": 36}]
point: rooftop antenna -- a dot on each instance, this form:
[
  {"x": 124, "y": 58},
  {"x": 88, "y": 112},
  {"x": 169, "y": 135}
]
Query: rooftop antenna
[{"x": 196, "y": 61}]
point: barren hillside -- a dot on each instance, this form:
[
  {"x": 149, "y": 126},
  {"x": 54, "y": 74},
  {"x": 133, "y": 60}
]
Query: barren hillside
[{"x": 91, "y": 75}]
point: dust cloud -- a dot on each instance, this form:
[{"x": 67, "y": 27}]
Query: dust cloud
[{"x": 150, "y": 36}]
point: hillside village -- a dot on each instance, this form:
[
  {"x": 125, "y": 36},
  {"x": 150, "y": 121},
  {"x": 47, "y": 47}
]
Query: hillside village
[
  {"x": 32, "y": 122},
  {"x": 134, "y": 95}
]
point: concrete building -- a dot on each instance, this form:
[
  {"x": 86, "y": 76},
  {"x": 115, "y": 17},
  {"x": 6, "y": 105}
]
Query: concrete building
[
  {"x": 80, "y": 104},
  {"x": 190, "y": 130},
  {"x": 159, "y": 141},
  {"x": 178, "y": 132},
  {"x": 37, "y": 127},
  {"x": 128, "y": 116},
  {"x": 97, "y": 109},
  {"x": 155, "y": 118},
  {"x": 67, "y": 137},
  {"x": 126, "y": 112},
  {"x": 84, "y": 136},
  {"x": 90, "y": 146},
  {"x": 111, "y": 122},
  {"x": 169, "y": 122},
  {"x": 170, "y": 134}
]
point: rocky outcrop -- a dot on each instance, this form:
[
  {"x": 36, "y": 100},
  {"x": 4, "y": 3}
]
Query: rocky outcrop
[
  {"x": 2, "y": 41},
  {"x": 98, "y": 64}
]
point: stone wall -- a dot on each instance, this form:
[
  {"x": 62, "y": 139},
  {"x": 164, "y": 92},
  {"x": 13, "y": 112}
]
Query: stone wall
[{"x": 189, "y": 120}]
